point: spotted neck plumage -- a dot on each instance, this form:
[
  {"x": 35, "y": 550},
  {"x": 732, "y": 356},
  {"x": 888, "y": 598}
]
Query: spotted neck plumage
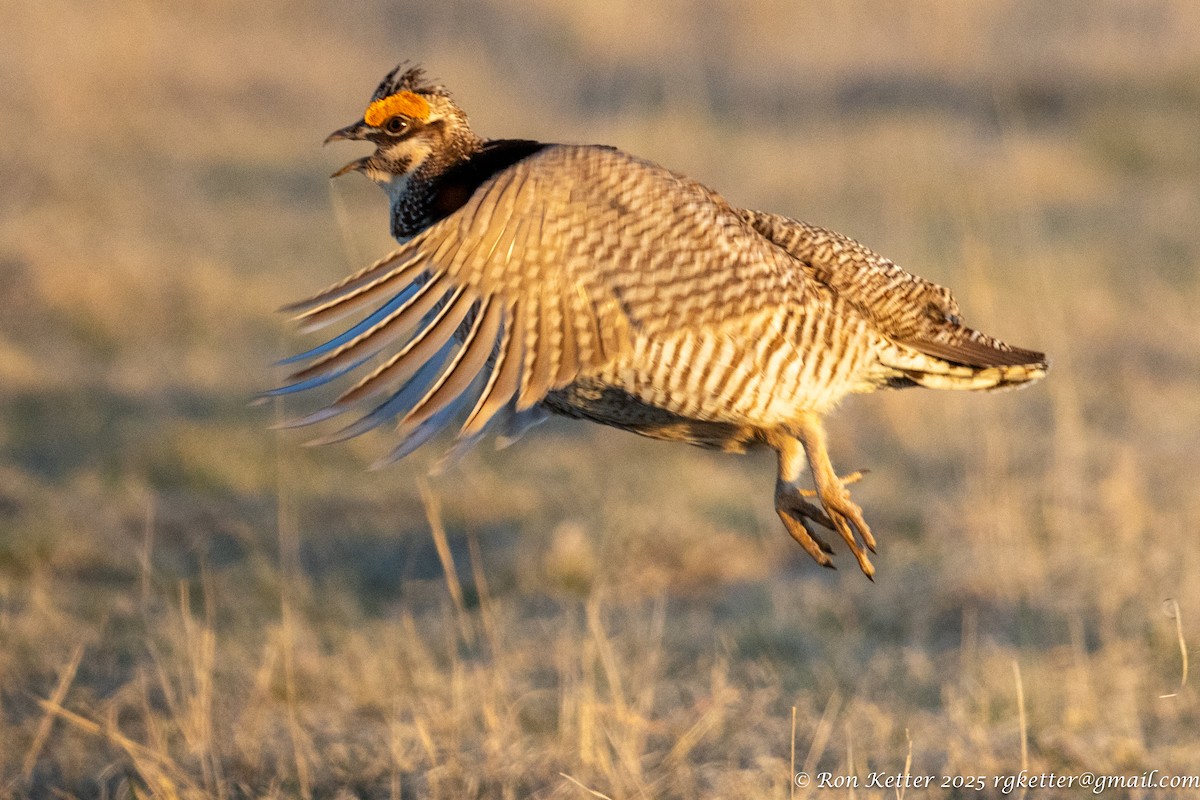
[
  {"x": 433, "y": 192},
  {"x": 414, "y": 195}
]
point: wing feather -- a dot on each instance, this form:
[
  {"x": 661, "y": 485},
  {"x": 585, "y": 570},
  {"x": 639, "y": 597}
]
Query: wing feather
[
  {"x": 566, "y": 255},
  {"x": 410, "y": 318},
  {"x": 588, "y": 340},
  {"x": 535, "y": 371},
  {"x": 363, "y": 325},
  {"x": 398, "y": 404},
  {"x": 504, "y": 379},
  {"x": 349, "y": 283},
  {"x": 400, "y": 367},
  {"x": 362, "y": 295},
  {"x": 472, "y": 357},
  {"x": 568, "y": 350}
]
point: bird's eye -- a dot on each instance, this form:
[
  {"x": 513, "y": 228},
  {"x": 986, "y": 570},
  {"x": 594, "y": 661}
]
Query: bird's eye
[{"x": 396, "y": 125}]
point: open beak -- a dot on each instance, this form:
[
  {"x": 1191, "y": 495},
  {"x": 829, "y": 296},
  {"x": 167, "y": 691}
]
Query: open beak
[
  {"x": 355, "y": 131},
  {"x": 357, "y": 165}
]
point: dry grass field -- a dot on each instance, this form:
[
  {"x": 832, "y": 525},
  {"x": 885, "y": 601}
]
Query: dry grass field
[{"x": 194, "y": 606}]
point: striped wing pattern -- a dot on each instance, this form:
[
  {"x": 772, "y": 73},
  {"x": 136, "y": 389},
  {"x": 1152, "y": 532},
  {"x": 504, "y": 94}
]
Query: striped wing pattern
[
  {"x": 925, "y": 340},
  {"x": 565, "y": 264}
]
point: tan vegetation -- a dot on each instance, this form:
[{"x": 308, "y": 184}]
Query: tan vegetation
[{"x": 194, "y": 606}]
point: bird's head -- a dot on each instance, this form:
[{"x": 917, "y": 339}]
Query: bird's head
[{"x": 416, "y": 127}]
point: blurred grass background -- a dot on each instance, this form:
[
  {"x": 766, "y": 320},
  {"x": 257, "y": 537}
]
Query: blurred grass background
[{"x": 194, "y": 606}]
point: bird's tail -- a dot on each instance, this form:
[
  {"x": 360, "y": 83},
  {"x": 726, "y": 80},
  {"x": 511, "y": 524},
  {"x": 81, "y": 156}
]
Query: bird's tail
[{"x": 968, "y": 360}]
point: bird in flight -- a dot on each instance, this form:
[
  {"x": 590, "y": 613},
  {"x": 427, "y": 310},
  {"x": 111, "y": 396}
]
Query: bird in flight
[{"x": 536, "y": 279}]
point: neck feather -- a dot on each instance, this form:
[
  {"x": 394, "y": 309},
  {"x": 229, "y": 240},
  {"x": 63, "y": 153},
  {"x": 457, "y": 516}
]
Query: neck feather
[{"x": 414, "y": 195}]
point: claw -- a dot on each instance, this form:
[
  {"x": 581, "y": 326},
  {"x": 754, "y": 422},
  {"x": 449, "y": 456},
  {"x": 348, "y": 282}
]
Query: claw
[
  {"x": 837, "y": 511},
  {"x": 799, "y": 516},
  {"x": 824, "y": 545},
  {"x": 793, "y": 509},
  {"x": 845, "y": 514},
  {"x": 816, "y": 547},
  {"x": 793, "y": 503}
]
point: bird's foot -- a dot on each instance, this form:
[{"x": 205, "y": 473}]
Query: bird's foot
[
  {"x": 841, "y": 514},
  {"x": 848, "y": 521},
  {"x": 844, "y": 513},
  {"x": 837, "y": 512},
  {"x": 799, "y": 516}
]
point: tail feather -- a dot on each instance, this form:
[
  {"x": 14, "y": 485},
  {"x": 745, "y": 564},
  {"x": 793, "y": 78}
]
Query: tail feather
[{"x": 974, "y": 361}]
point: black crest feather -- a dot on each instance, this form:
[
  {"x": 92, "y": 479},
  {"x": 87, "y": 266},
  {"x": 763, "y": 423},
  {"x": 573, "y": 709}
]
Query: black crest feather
[{"x": 406, "y": 77}]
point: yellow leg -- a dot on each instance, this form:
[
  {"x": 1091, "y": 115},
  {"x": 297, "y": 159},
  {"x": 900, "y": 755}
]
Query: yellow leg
[
  {"x": 846, "y": 516},
  {"x": 797, "y": 513},
  {"x": 853, "y": 477}
]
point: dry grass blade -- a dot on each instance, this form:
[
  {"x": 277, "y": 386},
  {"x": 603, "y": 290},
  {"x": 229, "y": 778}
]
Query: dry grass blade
[
  {"x": 433, "y": 514},
  {"x": 160, "y": 773},
  {"x": 487, "y": 610},
  {"x": 1174, "y": 613},
  {"x": 288, "y": 533},
  {"x": 578, "y": 783},
  {"x": 47, "y": 722},
  {"x": 824, "y": 731},
  {"x": 1023, "y": 720},
  {"x": 851, "y": 767},
  {"x": 710, "y": 719},
  {"x": 608, "y": 659},
  {"x": 792, "y": 759},
  {"x": 900, "y": 790}
]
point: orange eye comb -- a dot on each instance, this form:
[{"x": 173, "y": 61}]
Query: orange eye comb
[{"x": 406, "y": 103}]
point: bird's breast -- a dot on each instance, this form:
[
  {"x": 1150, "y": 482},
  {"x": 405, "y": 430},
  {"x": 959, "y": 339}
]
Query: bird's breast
[{"x": 761, "y": 371}]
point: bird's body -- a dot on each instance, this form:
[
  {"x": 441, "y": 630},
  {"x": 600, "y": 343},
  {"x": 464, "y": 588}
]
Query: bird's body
[{"x": 587, "y": 282}]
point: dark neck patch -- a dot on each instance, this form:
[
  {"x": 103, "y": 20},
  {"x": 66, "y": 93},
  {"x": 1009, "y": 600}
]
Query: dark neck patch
[{"x": 456, "y": 185}]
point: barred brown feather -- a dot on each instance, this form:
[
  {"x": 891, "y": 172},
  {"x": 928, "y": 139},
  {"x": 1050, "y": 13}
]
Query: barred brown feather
[{"x": 586, "y": 281}]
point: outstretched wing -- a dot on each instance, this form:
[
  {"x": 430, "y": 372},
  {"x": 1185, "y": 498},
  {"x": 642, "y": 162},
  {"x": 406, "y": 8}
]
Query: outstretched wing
[
  {"x": 906, "y": 308},
  {"x": 546, "y": 271}
]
